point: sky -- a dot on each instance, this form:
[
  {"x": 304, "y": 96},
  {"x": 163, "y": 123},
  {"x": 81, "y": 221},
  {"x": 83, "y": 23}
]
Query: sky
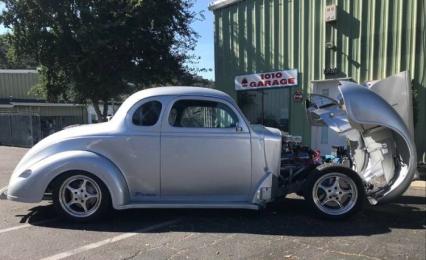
[
  {"x": 204, "y": 47},
  {"x": 2, "y": 30}
]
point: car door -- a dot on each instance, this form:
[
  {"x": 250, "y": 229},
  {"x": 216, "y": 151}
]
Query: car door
[
  {"x": 139, "y": 150},
  {"x": 205, "y": 152}
]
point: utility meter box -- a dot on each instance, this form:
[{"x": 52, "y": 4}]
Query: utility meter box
[{"x": 330, "y": 13}]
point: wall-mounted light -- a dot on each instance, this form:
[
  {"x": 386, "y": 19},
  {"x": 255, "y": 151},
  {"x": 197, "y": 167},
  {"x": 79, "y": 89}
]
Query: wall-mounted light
[{"x": 329, "y": 45}]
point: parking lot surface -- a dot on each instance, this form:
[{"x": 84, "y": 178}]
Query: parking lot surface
[{"x": 284, "y": 230}]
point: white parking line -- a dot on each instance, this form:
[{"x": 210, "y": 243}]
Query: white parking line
[
  {"x": 3, "y": 189},
  {"x": 25, "y": 226},
  {"x": 108, "y": 241}
]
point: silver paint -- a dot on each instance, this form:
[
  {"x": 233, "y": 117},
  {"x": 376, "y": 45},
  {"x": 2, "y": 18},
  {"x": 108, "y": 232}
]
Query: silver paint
[{"x": 160, "y": 165}]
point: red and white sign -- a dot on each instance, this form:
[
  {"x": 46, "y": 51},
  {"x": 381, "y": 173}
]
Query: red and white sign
[
  {"x": 284, "y": 78},
  {"x": 298, "y": 96}
]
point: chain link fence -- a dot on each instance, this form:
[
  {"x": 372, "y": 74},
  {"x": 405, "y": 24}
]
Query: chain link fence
[{"x": 25, "y": 130}]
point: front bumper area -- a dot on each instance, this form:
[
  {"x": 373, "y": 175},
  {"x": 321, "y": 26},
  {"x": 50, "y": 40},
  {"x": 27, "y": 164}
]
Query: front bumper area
[{"x": 3, "y": 193}]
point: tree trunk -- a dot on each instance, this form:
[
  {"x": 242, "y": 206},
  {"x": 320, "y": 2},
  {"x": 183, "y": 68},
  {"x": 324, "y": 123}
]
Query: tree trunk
[
  {"x": 105, "y": 112},
  {"x": 101, "y": 117}
]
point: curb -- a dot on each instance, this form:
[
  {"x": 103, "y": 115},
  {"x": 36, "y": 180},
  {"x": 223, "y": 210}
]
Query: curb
[{"x": 418, "y": 184}]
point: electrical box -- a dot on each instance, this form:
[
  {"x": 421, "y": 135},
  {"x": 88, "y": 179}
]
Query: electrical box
[{"x": 330, "y": 13}]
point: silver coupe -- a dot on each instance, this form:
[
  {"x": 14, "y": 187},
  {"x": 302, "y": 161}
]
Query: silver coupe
[{"x": 188, "y": 147}]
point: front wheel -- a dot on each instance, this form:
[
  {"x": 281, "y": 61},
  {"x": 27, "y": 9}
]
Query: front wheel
[
  {"x": 335, "y": 192},
  {"x": 80, "y": 197}
]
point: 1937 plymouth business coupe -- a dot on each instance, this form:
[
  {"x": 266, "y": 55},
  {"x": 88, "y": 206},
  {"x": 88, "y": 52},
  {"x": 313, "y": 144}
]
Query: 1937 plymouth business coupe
[{"x": 187, "y": 147}]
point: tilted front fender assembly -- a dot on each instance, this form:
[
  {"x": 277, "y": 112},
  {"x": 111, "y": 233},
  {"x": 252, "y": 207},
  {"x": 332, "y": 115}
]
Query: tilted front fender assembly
[
  {"x": 30, "y": 184},
  {"x": 387, "y": 144},
  {"x": 382, "y": 147}
]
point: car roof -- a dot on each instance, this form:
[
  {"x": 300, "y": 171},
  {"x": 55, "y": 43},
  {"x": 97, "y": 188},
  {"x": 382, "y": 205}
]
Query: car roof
[
  {"x": 180, "y": 90},
  {"x": 169, "y": 91}
]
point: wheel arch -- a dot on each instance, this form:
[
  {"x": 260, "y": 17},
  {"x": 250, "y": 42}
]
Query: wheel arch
[{"x": 46, "y": 171}]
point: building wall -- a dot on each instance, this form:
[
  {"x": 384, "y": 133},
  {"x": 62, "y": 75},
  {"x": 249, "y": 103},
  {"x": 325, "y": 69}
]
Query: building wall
[
  {"x": 26, "y": 118},
  {"x": 26, "y": 125},
  {"x": 18, "y": 83},
  {"x": 373, "y": 39}
]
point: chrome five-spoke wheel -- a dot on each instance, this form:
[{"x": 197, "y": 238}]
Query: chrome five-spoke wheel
[
  {"x": 335, "y": 193},
  {"x": 80, "y": 196}
]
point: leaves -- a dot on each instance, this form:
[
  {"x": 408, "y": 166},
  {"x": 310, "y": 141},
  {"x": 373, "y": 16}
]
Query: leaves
[
  {"x": 101, "y": 49},
  {"x": 9, "y": 59}
]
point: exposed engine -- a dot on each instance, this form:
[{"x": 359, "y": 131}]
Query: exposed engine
[{"x": 297, "y": 160}]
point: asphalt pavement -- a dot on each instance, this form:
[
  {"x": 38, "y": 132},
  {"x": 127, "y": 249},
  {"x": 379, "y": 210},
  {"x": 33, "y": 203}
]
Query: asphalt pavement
[{"x": 285, "y": 230}]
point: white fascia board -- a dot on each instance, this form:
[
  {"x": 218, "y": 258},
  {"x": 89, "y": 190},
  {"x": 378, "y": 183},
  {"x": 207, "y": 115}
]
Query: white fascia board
[
  {"x": 331, "y": 80},
  {"x": 35, "y": 104},
  {"x": 214, "y": 5},
  {"x": 10, "y": 71}
]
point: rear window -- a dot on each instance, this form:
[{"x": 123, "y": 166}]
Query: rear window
[{"x": 147, "y": 114}]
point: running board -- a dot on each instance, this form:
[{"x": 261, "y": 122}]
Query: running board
[{"x": 157, "y": 205}]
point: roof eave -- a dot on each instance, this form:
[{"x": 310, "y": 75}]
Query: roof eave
[
  {"x": 36, "y": 104},
  {"x": 217, "y": 4}
]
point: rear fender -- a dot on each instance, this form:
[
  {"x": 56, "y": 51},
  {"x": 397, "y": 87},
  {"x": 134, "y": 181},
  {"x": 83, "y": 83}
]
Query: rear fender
[{"x": 30, "y": 184}]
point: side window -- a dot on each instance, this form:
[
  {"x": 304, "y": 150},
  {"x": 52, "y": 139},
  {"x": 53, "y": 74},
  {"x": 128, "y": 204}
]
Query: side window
[
  {"x": 202, "y": 114},
  {"x": 147, "y": 114}
]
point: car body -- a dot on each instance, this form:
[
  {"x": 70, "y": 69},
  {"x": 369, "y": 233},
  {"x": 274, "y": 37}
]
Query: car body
[
  {"x": 180, "y": 147},
  {"x": 129, "y": 158}
]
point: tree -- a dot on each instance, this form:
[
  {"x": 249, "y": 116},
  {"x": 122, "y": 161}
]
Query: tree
[
  {"x": 4, "y": 46},
  {"x": 98, "y": 50},
  {"x": 8, "y": 59}
]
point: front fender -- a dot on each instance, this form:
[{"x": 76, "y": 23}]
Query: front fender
[
  {"x": 30, "y": 184},
  {"x": 382, "y": 146},
  {"x": 360, "y": 102}
]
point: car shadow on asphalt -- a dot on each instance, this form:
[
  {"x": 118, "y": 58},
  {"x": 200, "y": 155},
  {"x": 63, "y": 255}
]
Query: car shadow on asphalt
[{"x": 289, "y": 217}]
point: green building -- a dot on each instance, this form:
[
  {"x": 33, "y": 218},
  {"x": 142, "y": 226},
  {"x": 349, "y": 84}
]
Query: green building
[
  {"x": 324, "y": 40},
  {"x": 26, "y": 118}
]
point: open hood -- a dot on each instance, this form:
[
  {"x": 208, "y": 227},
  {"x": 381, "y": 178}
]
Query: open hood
[{"x": 381, "y": 142}]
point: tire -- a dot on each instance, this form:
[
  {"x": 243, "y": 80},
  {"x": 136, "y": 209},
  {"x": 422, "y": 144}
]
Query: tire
[
  {"x": 80, "y": 197},
  {"x": 334, "y": 200}
]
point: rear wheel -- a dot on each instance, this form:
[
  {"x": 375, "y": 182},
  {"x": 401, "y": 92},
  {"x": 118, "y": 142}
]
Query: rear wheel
[
  {"x": 335, "y": 192},
  {"x": 80, "y": 197}
]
